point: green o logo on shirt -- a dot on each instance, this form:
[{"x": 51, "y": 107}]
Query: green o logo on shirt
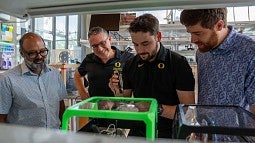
[
  {"x": 161, "y": 65},
  {"x": 117, "y": 64}
]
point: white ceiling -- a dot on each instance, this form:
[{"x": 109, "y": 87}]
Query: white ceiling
[{"x": 35, "y": 8}]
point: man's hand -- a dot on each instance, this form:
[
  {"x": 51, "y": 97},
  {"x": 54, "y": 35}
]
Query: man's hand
[{"x": 114, "y": 84}]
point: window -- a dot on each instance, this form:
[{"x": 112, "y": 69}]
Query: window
[
  {"x": 230, "y": 16},
  {"x": 241, "y": 13},
  {"x": 54, "y": 31},
  {"x": 43, "y": 27},
  {"x": 252, "y": 13},
  {"x": 72, "y": 33},
  {"x": 73, "y": 38},
  {"x": 61, "y": 32}
]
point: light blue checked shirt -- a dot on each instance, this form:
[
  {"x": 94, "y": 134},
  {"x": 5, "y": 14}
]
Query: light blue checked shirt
[
  {"x": 226, "y": 74},
  {"x": 29, "y": 99}
]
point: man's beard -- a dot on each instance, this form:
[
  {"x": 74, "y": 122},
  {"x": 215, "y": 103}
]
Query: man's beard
[
  {"x": 152, "y": 55},
  {"x": 211, "y": 44},
  {"x": 35, "y": 67}
]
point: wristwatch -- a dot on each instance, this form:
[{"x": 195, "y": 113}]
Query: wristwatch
[{"x": 160, "y": 109}]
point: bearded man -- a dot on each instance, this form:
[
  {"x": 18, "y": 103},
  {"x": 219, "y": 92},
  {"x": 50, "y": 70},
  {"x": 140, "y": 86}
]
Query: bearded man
[
  {"x": 32, "y": 93},
  {"x": 225, "y": 59}
]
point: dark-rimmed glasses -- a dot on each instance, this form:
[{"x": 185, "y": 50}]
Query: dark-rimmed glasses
[
  {"x": 101, "y": 44},
  {"x": 34, "y": 54}
]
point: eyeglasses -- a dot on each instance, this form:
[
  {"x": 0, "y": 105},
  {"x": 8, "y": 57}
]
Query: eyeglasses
[
  {"x": 101, "y": 44},
  {"x": 34, "y": 54}
]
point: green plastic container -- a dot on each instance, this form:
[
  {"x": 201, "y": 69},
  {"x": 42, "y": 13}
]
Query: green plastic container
[{"x": 149, "y": 117}]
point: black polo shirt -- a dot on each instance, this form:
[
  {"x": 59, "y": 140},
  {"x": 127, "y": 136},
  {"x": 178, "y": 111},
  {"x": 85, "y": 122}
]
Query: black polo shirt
[
  {"x": 99, "y": 73},
  {"x": 159, "y": 79}
]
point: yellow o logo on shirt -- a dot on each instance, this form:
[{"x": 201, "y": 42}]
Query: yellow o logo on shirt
[
  {"x": 117, "y": 64},
  {"x": 161, "y": 65}
]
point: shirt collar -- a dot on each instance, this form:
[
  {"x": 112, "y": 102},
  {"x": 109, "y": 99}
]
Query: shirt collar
[
  {"x": 161, "y": 56},
  {"x": 225, "y": 45},
  {"x": 25, "y": 69},
  {"x": 118, "y": 52}
]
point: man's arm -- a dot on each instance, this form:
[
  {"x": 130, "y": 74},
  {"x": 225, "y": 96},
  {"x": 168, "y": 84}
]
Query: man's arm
[
  {"x": 61, "y": 109},
  {"x": 252, "y": 109},
  {"x": 250, "y": 86},
  {"x": 79, "y": 83},
  {"x": 185, "y": 97},
  {"x": 127, "y": 92},
  {"x": 3, "y": 118}
]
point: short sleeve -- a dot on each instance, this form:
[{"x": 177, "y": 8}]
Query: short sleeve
[
  {"x": 5, "y": 95},
  {"x": 183, "y": 73},
  {"x": 82, "y": 68}
]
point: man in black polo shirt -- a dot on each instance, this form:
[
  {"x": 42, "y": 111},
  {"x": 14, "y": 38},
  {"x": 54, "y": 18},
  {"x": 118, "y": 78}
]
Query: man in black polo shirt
[
  {"x": 156, "y": 72},
  {"x": 99, "y": 66}
]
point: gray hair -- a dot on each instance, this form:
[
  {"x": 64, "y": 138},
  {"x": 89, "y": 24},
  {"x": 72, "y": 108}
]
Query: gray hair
[{"x": 97, "y": 30}]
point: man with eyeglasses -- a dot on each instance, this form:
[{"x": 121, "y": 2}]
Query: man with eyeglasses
[
  {"x": 32, "y": 93},
  {"x": 155, "y": 72},
  {"x": 98, "y": 66}
]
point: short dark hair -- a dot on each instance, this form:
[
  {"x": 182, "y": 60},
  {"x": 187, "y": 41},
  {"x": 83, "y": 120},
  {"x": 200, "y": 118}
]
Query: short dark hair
[
  {"x": 145, "y": 23},
  {"x": 26, "y": 36},
  {"x": 207, "y": 17},
  {"x": 97, "y": 30}
]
